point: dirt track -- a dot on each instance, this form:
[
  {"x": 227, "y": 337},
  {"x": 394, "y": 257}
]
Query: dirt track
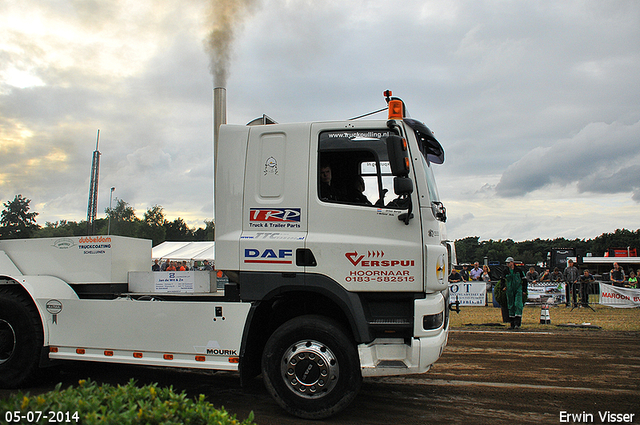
[{"x": 496, "y": 377}]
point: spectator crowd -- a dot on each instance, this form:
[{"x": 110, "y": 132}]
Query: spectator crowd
[{"x": 181, "y": 266}]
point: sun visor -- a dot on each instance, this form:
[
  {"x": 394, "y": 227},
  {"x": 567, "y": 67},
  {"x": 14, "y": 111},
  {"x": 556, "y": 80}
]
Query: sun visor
[{"x": 430, "y": 147}]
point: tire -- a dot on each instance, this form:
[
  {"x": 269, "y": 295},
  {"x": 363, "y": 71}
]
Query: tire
[
  {"x": 21, "y": 338},
  {"x": 311, "y": 368}
]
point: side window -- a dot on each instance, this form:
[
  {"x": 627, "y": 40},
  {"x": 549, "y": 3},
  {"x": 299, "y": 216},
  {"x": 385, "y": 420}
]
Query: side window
[
  {"x": 353, "y": 168},
  {"x": 378, "y": 181}
]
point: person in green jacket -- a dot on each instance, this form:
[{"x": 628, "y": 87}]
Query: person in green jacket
[{"x": 515, "y": 287}]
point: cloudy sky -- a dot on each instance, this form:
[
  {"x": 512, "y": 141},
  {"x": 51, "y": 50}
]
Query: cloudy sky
[{"x": 537, "y": 103}]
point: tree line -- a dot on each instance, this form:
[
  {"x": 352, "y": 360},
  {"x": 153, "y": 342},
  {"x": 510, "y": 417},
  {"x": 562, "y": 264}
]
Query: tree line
[
  {"x": 18, "y": 222},
  {"x": 471, "y": 249}
]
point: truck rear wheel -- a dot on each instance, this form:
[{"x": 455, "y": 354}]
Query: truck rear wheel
[
  {"x": 311, "y": 368},
  {"x": 21, "y": 338}
]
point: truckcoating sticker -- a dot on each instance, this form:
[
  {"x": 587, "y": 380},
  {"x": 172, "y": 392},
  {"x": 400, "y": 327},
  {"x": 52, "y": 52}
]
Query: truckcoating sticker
[
  {"x": 376, "y": 268},
  {"x": 275, "y": 217},
  {"x": 94, "y": 244}
]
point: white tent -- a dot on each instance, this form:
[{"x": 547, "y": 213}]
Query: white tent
[{"x": 189, "y": 251}]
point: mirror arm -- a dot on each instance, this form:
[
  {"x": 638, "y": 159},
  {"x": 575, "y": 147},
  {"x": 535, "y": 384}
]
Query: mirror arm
[{"x": 405, "y": 217}]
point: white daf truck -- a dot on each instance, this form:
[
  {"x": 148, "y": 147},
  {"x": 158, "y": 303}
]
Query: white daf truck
[{"x": 331, "y": 235}]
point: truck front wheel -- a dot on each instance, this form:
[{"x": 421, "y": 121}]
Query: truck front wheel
[
  {"x": 311, "y": 368},
  {"x": 21, "y": 338}
]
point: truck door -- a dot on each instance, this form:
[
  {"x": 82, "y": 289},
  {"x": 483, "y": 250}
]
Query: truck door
[
  {"x": 354, "y": 232},
  {"x": 275, "y": 196}
]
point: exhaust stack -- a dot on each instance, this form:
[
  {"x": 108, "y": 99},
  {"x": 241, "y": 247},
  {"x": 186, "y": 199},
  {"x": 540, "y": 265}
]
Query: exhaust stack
[{"x": 219, "y": 117}]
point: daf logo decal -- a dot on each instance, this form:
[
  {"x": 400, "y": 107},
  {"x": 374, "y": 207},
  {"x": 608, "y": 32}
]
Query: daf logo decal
[{"x": 268, "y": 256}]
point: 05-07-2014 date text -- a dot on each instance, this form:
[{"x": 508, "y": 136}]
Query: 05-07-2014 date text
[{"x": 41, "y": 417}]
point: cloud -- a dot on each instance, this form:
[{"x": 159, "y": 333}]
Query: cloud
[
  {"x": 136, "y": 74},
  {"x": 601, "y": 158},
  {"x": 528, "y": 98},
  {"x": 626, "y": 179}
]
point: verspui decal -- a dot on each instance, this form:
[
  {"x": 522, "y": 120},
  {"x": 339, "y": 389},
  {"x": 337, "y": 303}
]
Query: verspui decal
[
  {"x": 376, "y": 269},
  {"x": 358, "y": 260}
]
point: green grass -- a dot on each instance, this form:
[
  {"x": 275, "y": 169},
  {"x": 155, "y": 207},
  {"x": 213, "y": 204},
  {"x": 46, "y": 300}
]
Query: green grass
[{"x": 608, "y": 318}]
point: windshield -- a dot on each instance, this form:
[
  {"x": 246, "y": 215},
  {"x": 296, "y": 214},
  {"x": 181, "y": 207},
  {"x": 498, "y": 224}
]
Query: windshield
[
  {"x": 431, "y": 182},
  {"x": 432, "y": 152}
]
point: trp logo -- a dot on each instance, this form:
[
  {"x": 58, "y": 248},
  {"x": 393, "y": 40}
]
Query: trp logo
[{"x": 286, "y": 215}]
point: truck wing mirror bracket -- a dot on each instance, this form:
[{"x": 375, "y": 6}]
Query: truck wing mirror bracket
[{"x": 405, "y": 217}]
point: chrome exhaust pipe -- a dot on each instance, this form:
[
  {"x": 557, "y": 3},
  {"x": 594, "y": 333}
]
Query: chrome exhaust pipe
[
  {"x": 219, "y": 110},
  {"x": 219, "y": 117}
]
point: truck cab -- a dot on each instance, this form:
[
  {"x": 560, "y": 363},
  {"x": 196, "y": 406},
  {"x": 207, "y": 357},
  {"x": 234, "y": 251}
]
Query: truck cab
[{"x": 340, "y": 220}]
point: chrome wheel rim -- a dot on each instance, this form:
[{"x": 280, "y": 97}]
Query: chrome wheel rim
[{"x": 310, "y": 369}]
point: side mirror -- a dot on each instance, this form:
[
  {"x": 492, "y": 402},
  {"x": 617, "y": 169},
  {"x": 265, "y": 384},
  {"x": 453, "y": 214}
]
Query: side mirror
[
  {"x": 402, "y": 185},
  {"x": 398, "y": 155}
]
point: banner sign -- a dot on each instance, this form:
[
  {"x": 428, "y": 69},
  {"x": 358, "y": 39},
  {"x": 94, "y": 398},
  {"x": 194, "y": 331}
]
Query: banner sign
[
  {"x": 174, "y": 281},
  {"x": 468, "y": 293},
  {"x": 619, "y": 297},
  {"x": 547, "y": 292}
]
